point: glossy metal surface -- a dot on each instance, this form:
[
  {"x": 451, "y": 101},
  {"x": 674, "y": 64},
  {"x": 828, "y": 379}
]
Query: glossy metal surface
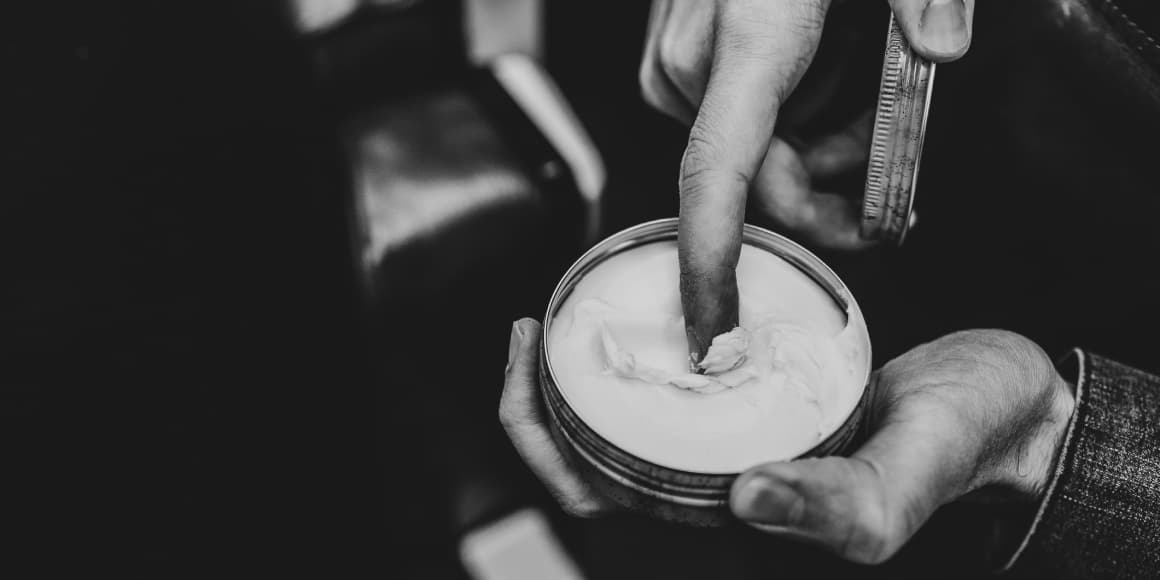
[{"x": 897, "y": 140}]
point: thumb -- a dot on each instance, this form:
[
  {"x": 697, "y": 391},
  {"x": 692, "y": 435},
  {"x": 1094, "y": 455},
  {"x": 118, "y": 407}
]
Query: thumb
[
  {"x": 864, "y": 507},
  {"x": 937, "y": 29},
  {"x": 836, "y": 502}
]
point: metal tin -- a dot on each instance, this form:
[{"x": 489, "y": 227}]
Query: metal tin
[
  {"x": 671, "y": 494},
  {"x": 896, "y": 143}
]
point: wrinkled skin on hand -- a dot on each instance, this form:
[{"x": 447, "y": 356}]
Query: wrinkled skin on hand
[{"x": 979, "y": 411}]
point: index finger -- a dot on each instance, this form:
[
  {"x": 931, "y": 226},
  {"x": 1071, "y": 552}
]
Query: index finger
[{"x": 761, "y": 50}]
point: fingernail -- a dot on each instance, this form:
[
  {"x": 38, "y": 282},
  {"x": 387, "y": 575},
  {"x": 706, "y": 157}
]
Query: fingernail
[
  {"x": 943, "y": 26},
  {"x": 514, "y": 345},
  {"x": 765, "y": 501}
]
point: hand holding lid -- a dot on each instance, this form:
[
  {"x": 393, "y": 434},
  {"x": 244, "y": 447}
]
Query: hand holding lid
[{"x": 726, "y": 67}]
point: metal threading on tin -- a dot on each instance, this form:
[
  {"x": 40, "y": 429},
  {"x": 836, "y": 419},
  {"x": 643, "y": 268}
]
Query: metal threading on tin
[
  {"x": 689, "y": 497},
  {"x": 896, "y": 143}
]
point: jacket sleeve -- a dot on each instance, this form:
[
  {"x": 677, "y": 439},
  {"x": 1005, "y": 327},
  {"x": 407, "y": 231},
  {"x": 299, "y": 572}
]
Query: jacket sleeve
[{"x": 1100, "y": 516}]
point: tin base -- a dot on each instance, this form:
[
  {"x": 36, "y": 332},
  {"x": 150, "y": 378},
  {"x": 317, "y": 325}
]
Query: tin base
[{"x": 633, "y": 498}]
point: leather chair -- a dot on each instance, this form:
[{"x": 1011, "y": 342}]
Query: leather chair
[{"x": 475, "y": 185}]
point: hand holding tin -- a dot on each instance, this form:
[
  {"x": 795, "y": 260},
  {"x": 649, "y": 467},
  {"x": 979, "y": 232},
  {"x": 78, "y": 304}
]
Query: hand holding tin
[
  {"x": 523, "y": 416},
  {"x": 725, "y": 67},
  {"x": 622, "y": 407},
  {"x": 974, "y": 413}
]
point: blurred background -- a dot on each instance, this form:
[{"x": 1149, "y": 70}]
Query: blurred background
[
  {"x": 1008, "y": 220},
  {"x": 460, "y": 154},
  {"x": 473, "y": 224}
]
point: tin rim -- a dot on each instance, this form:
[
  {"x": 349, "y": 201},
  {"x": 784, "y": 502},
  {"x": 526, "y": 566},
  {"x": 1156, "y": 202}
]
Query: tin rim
[
  {"x": 600, "y": 451},
  {"x": 896, "y": 145}
]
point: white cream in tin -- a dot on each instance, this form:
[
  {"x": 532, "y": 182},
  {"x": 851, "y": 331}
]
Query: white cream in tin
[{"x": 619, "y": 355}]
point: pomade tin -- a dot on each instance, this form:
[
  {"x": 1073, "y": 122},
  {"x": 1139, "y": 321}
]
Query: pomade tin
[{"x": 637, "y": 484}]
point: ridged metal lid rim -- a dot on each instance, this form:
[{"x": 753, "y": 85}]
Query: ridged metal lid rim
[{"x": 897, "y": 140}]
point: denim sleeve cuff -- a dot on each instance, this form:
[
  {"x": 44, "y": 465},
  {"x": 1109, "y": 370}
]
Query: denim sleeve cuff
[
  {"x": 1077, "y": 376},
  {"x": 1100, "y": 515}
]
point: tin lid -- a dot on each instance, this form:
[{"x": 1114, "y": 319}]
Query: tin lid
[{"x": 896, "y": 143}]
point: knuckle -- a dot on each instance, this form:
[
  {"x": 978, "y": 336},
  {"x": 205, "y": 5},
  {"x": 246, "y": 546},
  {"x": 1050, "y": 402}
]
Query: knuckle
[
  {"x": 678, "y": 60},
  {"x": 646, "y": 78},
  {"x": 705, "y": 168},
  {"x": 582, "y": 508},
  {"x": 702, "y": 158},
  {"x": 653, "y": 90},
  {"x": 509, "y": 416},
  {"x": 874, "y": 533},
  {"x": 701, "y": 150},
  {"x": 699, "y": 184},
  {"x": 653, "y": 98},
  {"x": 701, "y": 175},
  {"x": 505, "y": 416},
  {"x": 673, "y": 72},
  {"x": 667, "y": 52},
  {"x": 869, "y": 538}
]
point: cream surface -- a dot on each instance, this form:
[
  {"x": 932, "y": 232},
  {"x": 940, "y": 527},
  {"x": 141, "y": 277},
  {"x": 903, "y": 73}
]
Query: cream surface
[{"x": 775, "y": 387}]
